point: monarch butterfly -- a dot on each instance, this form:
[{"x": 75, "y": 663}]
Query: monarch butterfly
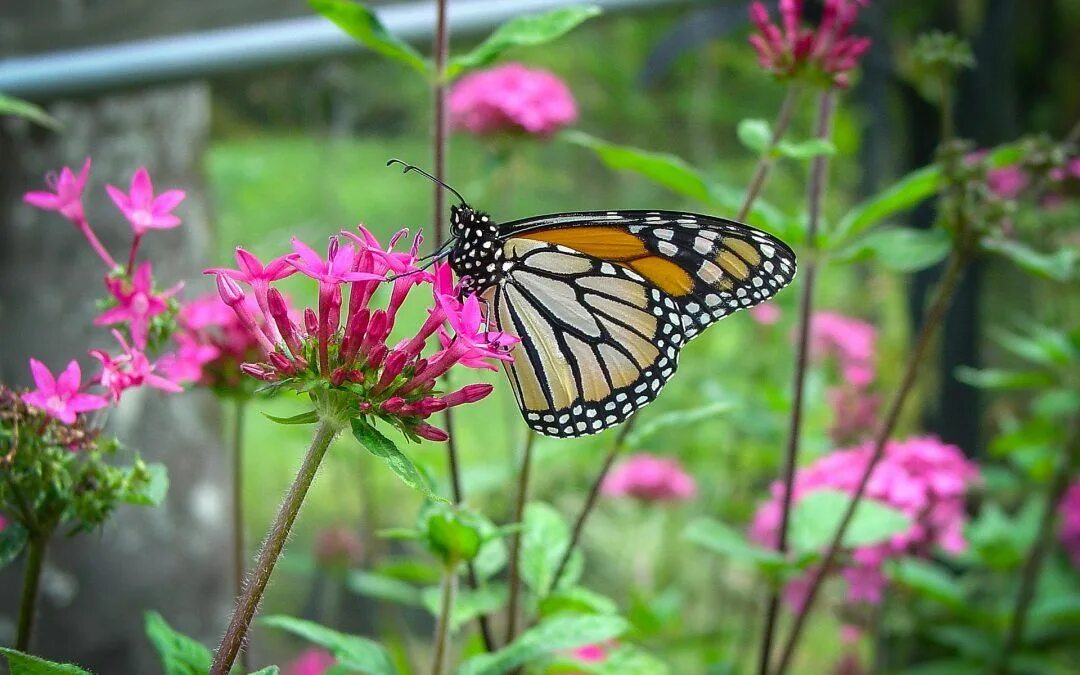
[{"x": 604, "y": 301}]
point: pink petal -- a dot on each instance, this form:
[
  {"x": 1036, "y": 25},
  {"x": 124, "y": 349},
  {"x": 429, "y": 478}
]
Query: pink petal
[
  {"x": 167, "y": 201},
  {"x": 111, "y": 316},
  {"x": 278, "y": 269},
  {"x": 84, "y": 173},
  {"x": 312, "y": 261},
  {"x": 142, "y": 189},
  {"x": 248, "y": 263},
  {"x": 84, "y": 402},
  {"x": 42, "y": 377},
  {"x": 342, "y": 262},
  {"x": 158, "y": 382},
  {"x": 42, "y": 200},
  {"x": 69, "y": 380},
  {"x": 143, "y": 279},
  {"x": 163, "y": 222},
  {"x": 119, "y": 198}
]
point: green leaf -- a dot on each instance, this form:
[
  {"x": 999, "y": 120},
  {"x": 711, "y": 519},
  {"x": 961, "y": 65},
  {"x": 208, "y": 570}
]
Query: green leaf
[
  {"x": 577, "y": 600},
  {"x": 13, "y": 540},
  {"x": 383, "y": 587},
  {"x": 676, "y": 418},
  {"x": 548, "y": 637},
  {"x": 1043, "y": 345},
  {"x": 543, "y": 543},
  {"x": 719, "y": 538},
  {"x": 755, "y": 134},
  {"x": 383, "y": 447},
  {"x": 811, "y": 147},
  {"x": 361, "y": 23},
  {"x": 1055, "y": 610},
  {"x": 970, "y": 641},
  {"x": 629, "y": 660},
  {"x": 816, "y": 517},
  {"x": 999, "y": 379},
  {"x": 450, "y": 535},
  {"x": 928, "y": 580},
  {"x": 351, "y": 651},
  {"x": 269, "y": 670},
  {"x": 26, "y": 664},
  {"x": 902, "y": 195},
  {"x": 947, "y": 667},
  {"x": 522, "y": 31},
  {"x": 180, "y": 655},
  {"x": 309, "y": 417},
  {"x": 10, "y": 105},
  {"x": 154, "y": 491},
  {"x": 493, "y": 553},
  {"x": 901, "y": 249},
  {"x": 469, "y": 602},
  {"x": 1061, "y": 265}
]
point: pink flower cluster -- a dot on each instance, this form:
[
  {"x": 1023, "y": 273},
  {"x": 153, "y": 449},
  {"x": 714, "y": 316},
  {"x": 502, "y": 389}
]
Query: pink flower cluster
[
  {"x": 511, "y": 99},
  {"x": 826, "y": 52},
  {"x": 650, "y": 479},
  {"x": 922, "y": 477},
  {"x": 852, "y": 342},
  {"x": 343, "y": 345},
  {"x": 135, "y": 307},
  {"x": 1069, "y": 532},
  {"x": 1009, "y": 182}
]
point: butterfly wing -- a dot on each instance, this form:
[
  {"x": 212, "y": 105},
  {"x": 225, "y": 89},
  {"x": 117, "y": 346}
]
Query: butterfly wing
[{"x": 603, "y": 302}]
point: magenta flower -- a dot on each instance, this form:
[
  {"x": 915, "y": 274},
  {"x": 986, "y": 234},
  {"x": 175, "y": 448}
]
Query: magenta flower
[
  {"x": 511, "y": 99},
  {"x": 313, "y": 661},
  {"x": 650, "y": 479},
  {"x": 1069, "y": 532},
  {"x": 60, "y": 397},
  {"x": 922, "y": 477},
  {"x": 66, "y": 195},
  {"x": 142, "y": 209},
  {"x": 185, "y": 364},
  {"x": 766, "y": 314},
  {"x": 591, "y": 653},
  {"x": 850, "y": 340},
  {"x": 136, "y": 303},
  {"x": 130, "y": 369},
  {"x": 1007, "y": 182},
  {"x": 825, "y": 53},
  {"x": 855, "y": 413}
]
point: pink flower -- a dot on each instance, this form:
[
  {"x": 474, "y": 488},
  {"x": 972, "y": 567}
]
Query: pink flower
[
  {"x": 649, "y": 478},
  {"x": 850, "y": 340},
  {"x": 186, "y": 363},
  {"x": 130, "y": 369},
  {"x": 313, "y": 661},
  {"x": 142, "y": 209},
  {"x": 1007, "y": 182},
  {"x": 922, "y": 477},
  {"x": 825, "y": 53},
  {"x": 60, "y": 397},
  {"x": 855, "y": 413},
  {"x": 1071, "y": 168},
  {"x": 66, "y": 195},
  {"x": 590, "y": 653},
  {"x": 1069, "y": 532},
  {"x": 765, "y": 314},
  {"x": 136, "y": 303},
  {"x": 511, "y": 98}
]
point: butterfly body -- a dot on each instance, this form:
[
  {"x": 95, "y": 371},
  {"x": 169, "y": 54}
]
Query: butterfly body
[{"x": 604, "y": 301}]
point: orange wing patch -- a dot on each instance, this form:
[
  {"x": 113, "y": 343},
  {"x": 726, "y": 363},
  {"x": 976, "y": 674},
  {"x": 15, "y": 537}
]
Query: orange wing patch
[
  {"x": 665, "y": 275},
  {"x": 607, "y": 243}
]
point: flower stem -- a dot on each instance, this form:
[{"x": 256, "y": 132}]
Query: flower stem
[
  {"x": 766, "y": 160},
  {"x": 239, "y": 556},
  {"x": 95, "y": 243},
  {"x": 515, "y": 542},
  {"x": 35, "y": 559},
  {"x": 1029, "y": 574},
  {"x": 248, "y": 602},
  {"x": 442, "y": 625},
  {"x": 942, "y": 299},
  {"x": 136, "y": 240},
  {"x": 818, "y": 175}
]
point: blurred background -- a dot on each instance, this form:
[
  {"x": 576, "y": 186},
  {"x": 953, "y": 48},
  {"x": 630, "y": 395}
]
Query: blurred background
[{"x": 277, "y": 126}]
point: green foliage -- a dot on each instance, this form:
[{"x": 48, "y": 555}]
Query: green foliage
[
  {"x": 901, "y": 195},
  {"x": 151, "y": 491},
  {"x": 351, "y": 651},
  {"x": 719, "y": 538},
  {"x": 929, "y": 580},
  {"x": 522, "y": 31},
  {"x": 9, "y": 105},
  {"x": 450, "y": 533},
  {"x": 468, "y": 603},
  {"x": 309, "y": 417},
  {"x": 817, "y": 516},
  {"x": 27, "y": 664},
  {"x": 552, "y": 635},
  {"x": 757, "y": 135},
  {"x": 382, "y": 447},
  {"x": 13, "y": 539},
  {"x": 1060, "y": 266},
  {"x": 383, "y": 587},
  {"x": 362, "y": 24},
  {"x": 543, "y": 544},
  {"x": 676, "y": 418},
  {"x": 901, "y": 249},
  {"x": 180, "y": 655},
  {"x": 576, "y": 600}
]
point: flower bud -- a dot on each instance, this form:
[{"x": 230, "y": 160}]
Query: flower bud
[
  {"x": 425, "y": 430},
  {"x": 278, "y": 360},
  {"x": 337, "y": 378},
  {"x": 395, "y": 363},
  {"x": 229, "y": 290},
  {"x": 376, "y": 331},
  {"x": 257, "y": 371},
  {"x": 430, "y": 405},
  {"x": 470, "y": 393},
  {"x": 392, "y": 405},
  {"x": 311, "y": 322},
  {"x": 375, "y": 359}
]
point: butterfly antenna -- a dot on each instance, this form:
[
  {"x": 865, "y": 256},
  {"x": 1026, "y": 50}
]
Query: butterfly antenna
[
  {"x": 433, "y": 179},
  {"x": 431, "y": 260}
]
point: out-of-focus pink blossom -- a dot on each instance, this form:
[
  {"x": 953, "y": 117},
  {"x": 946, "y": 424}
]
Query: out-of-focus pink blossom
[
  {"x": 66, "y": 193},
  {"x": 922, "y": 477},
  {"x": 136, "y": 303},
  {"x": 591, "y": 653},
  {"x": 1071, "y": 169},
  {"x": 185, "y": 363},
  {"x": 827, "y": 51},
  {"x": 142, "y": 209},
  {"x": 766, "y": 314},
  {"x": 338, "y": 547},
  {"x": 60, "y": 397},
  {"x": 129, "y": 369},
  {"x": 511, "y": 98},
  {"x": 855, "y": 413},
  {"x": 313, "y": 661},
  {"x": 851, "y": 341},
  {"x": 1007, "y": 182},
  {"x": 1069, "y": 531},
  {"x": 649, "y": 478}
]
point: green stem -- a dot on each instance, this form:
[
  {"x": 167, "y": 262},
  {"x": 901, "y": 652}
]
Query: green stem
[
  {"x": 1029, "y": 574},
  {"x": 35, "y": 560},
  {"x": 818, "y": 175},
  {"x": 765, "y": 161},
  {"x": 515, "y": 542},
  {"x": 237, "y": 457},
  {"x": 248, "y": 602},
  {"x": 442, "y": 625}
]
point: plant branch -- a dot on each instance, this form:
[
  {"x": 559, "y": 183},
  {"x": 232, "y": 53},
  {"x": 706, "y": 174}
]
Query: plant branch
[
  {"x": 766, "y": 160},
  {"x": 818, "y": 175},
  {"x": 83, "y": 226},
  {"x": 237, "y": 456},
  {"x": 442, "y": 625},
  {"x": 1029, "y": 574},
  {"x": 248, "y": 602},
  {"x": 35, "y": 560},
  {"x": 515, "y": 542},
  {"x": 939, "y": 306}
]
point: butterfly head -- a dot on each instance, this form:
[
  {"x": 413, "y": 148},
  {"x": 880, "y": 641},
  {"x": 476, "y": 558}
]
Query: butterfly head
[{"x": 477, "y": 252}]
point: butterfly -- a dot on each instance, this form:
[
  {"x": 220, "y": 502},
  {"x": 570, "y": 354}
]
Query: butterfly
[{"x": 604, "y": 301}]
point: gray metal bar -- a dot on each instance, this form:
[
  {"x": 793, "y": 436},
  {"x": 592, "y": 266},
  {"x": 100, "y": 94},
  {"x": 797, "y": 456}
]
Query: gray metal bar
[{"x": 218, "y": 51}]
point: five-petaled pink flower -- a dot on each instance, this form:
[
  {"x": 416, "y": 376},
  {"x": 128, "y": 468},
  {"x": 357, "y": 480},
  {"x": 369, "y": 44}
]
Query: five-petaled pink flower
[
  {"x": 130, "y": 369},
  {"x": 142, "y": 209},
  {"x": 649, "y": 478},
  {"x": 60, "y": 397},
  {"x": 66, "y": 195},
  {"x": 827, "y": 52},
  {"x": 511, "y": 98},
  {"x": 136, "y": 303}
]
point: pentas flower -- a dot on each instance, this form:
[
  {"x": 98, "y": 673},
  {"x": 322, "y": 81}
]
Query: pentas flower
[
  {"x": 207, "y": 325},
  {"x": 826, "y": 53},
  {"x": 649, "y": 478},
  {"x": 766, "y": 314},
  {"x": 850, "y": 340},
  {"x": 347, "y": 358},
  {"x": 142, "y": 209},
  {"x": 186, "y": 362},
  {"x": 922, "y": 477},
  {"x": 61, "y": 397},
  {"x": 136, "y": 302},
  {"x": 313, "y": 661},
  {"x": 1069, "y": 532},
  {"x": 130, "y": 369},
  {"x": 511, "y": 99},
  {"x": 66, "y": 193}
]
